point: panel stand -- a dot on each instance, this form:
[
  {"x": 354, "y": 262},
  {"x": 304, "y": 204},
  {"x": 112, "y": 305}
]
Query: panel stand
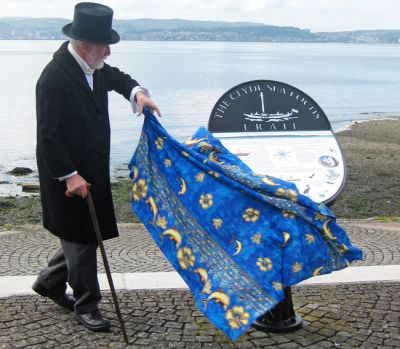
[{"x": 280, "y": 319}]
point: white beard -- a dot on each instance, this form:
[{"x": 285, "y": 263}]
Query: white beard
[{"x": 98, "y": 65}]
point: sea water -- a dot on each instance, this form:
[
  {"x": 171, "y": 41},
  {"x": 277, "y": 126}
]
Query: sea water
[{"x": 349, "y": 82}]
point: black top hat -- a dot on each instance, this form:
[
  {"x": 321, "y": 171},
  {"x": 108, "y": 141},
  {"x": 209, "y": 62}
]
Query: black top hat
[{"x": 92, "y": 23}]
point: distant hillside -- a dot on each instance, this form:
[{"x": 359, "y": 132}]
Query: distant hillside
[
  {"x": 178, "y": 29},
  {"x": 362, "y": 36},
  {"x": 186, "y": 30}
]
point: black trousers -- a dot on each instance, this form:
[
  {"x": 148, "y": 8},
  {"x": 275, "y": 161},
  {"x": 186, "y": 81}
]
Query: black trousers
[{"x": 76, "y": 264}]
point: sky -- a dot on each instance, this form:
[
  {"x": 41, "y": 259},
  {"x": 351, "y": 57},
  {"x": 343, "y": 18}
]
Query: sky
[{"x": 316, "y": 15}]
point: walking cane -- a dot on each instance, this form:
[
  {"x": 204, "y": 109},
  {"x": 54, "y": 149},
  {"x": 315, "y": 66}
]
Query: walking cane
[
  {"x": 105, "y": 262},
  {"x": 104, "y": 257}
]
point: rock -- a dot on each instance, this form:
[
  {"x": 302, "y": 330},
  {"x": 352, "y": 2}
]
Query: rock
[
  {"x": 20, "y": 171},
  {"x": 31, "y": 188}
]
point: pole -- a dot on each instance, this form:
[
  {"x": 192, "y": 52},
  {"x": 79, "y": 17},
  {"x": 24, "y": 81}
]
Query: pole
[{"x": 105, "y": 262}]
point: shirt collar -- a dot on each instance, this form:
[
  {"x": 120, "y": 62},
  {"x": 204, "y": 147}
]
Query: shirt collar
[{"x": 87, "y": 69}]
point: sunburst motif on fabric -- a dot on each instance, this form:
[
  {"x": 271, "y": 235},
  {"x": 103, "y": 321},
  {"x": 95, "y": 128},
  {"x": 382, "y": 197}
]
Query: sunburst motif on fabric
[
  {"x": 237, "y": 316},
  {"x": 186, "y": 258},
  {"x": 251, "y": 215},
  {"x": 264, "y": 264},
  {"x": 206, "y": 201},
  {"x": 139, "y": 190}
]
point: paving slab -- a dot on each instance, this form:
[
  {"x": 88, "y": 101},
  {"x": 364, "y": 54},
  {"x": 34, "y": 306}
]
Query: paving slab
[
  {"x": 364, "y": 315},
  {"x": 27, "y": 252},
  {"x": 347, "y": 315}
]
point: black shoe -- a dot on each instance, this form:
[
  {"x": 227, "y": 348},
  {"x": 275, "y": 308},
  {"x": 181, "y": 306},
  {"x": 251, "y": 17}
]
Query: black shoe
[
  {"x": 94, "y": 321},
  {"x": 57, "y": 296}
]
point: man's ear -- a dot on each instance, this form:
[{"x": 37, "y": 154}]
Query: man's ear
[{"x": 81, "y": 49}]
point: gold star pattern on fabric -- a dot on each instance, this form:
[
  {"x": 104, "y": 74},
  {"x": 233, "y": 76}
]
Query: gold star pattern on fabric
[
  {"x": 200, "y": 177},
  {"x": 167, "y": 162},
  {"x": 310, "y": 238},
  {"x": 159, "y": 143},
  {"x": 205, "y": 147},
  {"x": 161, "y": 222},
  {"x": 217, "y": 223},
  {"x": 277, "y": 285},
  {"x": 256, "y": 238},
  {"x": 297, "y": 267}
]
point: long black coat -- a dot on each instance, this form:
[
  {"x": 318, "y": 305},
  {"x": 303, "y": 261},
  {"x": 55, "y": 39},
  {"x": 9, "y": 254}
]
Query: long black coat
[{"x": 73, "y": 134}]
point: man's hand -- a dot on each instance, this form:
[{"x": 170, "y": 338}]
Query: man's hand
[
  {"x": 76, "y": 185},
  {"x": 143, "y": 101}
]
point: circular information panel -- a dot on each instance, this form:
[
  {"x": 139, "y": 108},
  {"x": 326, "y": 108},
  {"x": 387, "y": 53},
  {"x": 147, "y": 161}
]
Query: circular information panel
[{"x": 278, "y": 130}]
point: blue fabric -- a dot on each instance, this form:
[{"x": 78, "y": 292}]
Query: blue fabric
[{"x": 236, "y": 237}]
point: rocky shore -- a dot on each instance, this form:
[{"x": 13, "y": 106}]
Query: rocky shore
[{"x": 372, "y": 151}]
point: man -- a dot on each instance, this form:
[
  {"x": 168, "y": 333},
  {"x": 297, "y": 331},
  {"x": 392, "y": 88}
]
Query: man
[{"x": 73, "y": 150}]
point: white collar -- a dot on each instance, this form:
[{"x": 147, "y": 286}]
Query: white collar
[{"x": 87, "y": 69}]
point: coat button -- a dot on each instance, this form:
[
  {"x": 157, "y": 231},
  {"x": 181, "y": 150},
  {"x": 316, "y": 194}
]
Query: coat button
[{"x": 104, "y": 152}]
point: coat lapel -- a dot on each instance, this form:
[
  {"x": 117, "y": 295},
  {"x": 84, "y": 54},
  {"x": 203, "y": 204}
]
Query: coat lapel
[{"x": 67, "y": 62}]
